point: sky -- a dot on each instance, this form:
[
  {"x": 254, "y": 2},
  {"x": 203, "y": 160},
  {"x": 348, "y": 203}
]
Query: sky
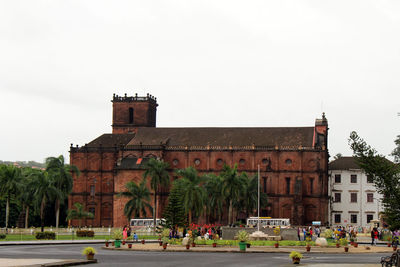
[{"x": 210, "y": 63}]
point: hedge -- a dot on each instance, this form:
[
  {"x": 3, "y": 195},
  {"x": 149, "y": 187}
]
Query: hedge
[
  {"x": 84, "y": 233},
  {"x": 45, "y": 235},
  {"x": 2, "y": 236}
]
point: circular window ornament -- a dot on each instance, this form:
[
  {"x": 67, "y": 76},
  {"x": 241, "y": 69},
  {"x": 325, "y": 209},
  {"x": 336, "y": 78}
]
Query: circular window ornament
[
  {"x": 265, "y": 161},
  {"x": 175, "y": 162},
  {"x": 288, "y": 162},
  {"x": 220, "y": 162},
  {"x": 197, "y": 162},
  {"x": 242, "y": 161}
]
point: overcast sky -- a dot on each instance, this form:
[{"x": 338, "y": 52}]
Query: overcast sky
[{"x": 209, "y": 63}]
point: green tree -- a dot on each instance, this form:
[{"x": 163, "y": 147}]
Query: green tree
[
  {"x": 10, "y": 184},
  {"x": 139, "y": 198},
  {"x": 215, "y": 202},
  {"x": 232, "y": 187},
  {"x": 249, "y": 199},
  {"x": 385, "y": 174},
  {"x": 27, "y": 194},
  {"x": 44, "y": 190},
  {"x": 78, "y": 213},
  {"x": 62, "y": 174},
  {"x": 396, "y": 151},
  {"x": 174, "y": 213},
  {"x": 157, "y": 170},
  {"x": 193, "y": 193}
]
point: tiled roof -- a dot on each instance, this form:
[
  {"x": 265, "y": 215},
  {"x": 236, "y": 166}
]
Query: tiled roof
[
  {"x": 344, "y": 163},
  {"x": 278, "y": 136},
  {"x": 110, "y": 140}
]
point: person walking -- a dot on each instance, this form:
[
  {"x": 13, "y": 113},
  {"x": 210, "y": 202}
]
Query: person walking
[
  {"x": 125, "y": 233},
  {"x": 374, "y": 236}
]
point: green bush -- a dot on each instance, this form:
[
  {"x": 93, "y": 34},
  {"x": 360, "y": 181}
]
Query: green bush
[
  {"x": 85, "y": 233},
  {"x": 2, "y": 236},
  {"x": 45, "y": 235}
]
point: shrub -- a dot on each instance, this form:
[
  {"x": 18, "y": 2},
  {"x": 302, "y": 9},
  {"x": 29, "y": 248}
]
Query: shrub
[
  {"x": 85, "y": 233},
  {"x": 117, "y": 234},
  {"x": 242, "y": 236},
  {"x": 45, "y": 235},
  {"x": 328, "y": 233},
  {"x": 295, "y": 254},
  {"x": 2, "y": 236},
  {"x": 88, "y": 250}
]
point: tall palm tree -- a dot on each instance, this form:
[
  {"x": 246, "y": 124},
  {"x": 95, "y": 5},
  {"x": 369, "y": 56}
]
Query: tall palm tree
[
  {"x": 44, "y": 191},
  {"x": 249, "y": 199},
  {"x": 62, "y": 174},
  {"x": 157, "y": 170},
  {"x": 10, "y": 182},
  {"x": 78, "y": 213},
  {"x": 232, "y": 187},
  {"x": 193, "y": 193},
  {"x": 139, "y": 198},
  {"x": 213, "y": 186},
  {"x": 26, "y": 195}
]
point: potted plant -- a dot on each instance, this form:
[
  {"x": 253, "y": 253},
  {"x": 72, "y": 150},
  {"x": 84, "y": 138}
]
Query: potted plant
[
  {"x": 344, "y": 243},
  {"x": 164, "y": 237},
  {"x": 89, "y": 252},
  {"x": 295, "y": 256},
  {"x": 107, "y": 242},
  {"x": 308, "y": 246},
  {"x": 117, "y": 236},
  {"x": 215, "y": 238},
  {"x": 129, "y": 245},
  {"x": 338, "y": 243},
  {"x": 277, "y": 231},
  {"x": 243, "y": 237},
  {"x": 389, "y": 239}
]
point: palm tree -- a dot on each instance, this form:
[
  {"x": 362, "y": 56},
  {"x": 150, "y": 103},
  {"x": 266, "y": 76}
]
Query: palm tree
[
  {"x": 62, "y": 174},
  {"x": 232, "y": 187},
  {"x": 249, "y": 200},
  {"x": 10, "y": 182},
  {"x": 44, "y": 191},
  {"x": 193, "y": 193},
  {"x": 215, "y": 201},
  {"x": 78, "y": 213},
  {"x": 157, "y": 170},
  {"x": 26, "y": 196},
  {"x": 139, "y": 198}
]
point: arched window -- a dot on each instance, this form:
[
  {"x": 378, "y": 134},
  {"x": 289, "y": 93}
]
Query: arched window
[{"x": 130, "y": 115}]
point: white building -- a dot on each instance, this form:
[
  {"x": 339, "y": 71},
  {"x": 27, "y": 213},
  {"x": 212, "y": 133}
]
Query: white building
[{"x": 354, "y": 198}]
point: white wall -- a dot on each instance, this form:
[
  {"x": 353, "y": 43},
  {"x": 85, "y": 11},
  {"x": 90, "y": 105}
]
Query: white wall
[{"x": 345, "y": 207}]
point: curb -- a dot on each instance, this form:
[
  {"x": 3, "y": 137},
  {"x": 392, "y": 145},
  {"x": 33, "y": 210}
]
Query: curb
[
  {"x": 230, "y": 250},
  {"x": 64, "y": 263}
]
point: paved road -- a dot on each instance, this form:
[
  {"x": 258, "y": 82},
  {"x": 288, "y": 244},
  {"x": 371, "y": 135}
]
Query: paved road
[{"x": 173, "y": 259}]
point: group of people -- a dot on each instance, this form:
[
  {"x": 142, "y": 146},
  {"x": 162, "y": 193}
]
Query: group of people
[
  {"x": 306, "y": 233},
  {"x": 126, "y": 233}
]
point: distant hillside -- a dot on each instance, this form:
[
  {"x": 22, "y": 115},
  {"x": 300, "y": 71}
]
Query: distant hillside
[{"x": 33, "y": 164}]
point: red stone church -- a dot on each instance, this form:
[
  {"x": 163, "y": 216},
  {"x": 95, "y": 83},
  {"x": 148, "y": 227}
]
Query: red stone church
[{"x": 293, "y": 160}]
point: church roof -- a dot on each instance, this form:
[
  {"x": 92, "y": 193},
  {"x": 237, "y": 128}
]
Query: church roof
[
  {"x": 271, "y": 137},
  {"x": 344, "y": 163},
  {"x": 110, "y": 140}
]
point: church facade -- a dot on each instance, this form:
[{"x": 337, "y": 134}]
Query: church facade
[{"x": 293, "y": 162}]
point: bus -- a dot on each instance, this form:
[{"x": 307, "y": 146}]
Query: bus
[
  {"x": 268, "y": 221},
  {"x": 145, "y": 222}
]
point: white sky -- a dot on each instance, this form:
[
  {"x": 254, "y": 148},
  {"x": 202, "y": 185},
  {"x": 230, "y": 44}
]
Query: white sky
[{"x": 209, "y": 63}]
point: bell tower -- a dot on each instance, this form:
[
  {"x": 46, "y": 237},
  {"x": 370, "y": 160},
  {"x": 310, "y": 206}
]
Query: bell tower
[{"x": 131, "y": 112}]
